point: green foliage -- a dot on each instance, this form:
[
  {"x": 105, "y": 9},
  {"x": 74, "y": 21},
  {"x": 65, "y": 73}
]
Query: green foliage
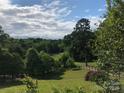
[
  {"x": 79, "y": 41},
  {"x": 110, "y": 38},
  {"x": 110, "y": 42},
  {"x": 16, "y": 48},
  {"x": 33, "y": 62},
  {"x": 66, "y": 61},
  {"x": 49, "y": 46},
  {"x": 11, "y": 64},
  {"x": 112, "y": 86},
  {"x": 19, "y": 64},
  {"x": 48, "y": 65},
  {"x": 63, "y": 59},
  {"x": 31, "y": 85},
  {"x": 3, "y": 38},
  {"x": 6, "y": 59},
  {"x": 70, "y": 63}
]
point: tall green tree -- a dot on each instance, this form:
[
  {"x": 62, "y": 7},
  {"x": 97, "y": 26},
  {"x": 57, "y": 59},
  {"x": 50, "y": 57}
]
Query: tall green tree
[
  {"x": 48, "y": 63},
  {"x": 110, "y": 41},
  {"x": 110, "y": 38},
  {"x": 33, "y": 62},
  {"x": 79, "y": 41}
]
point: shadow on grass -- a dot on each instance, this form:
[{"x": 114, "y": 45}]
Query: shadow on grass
[
  {"x": 10, "y": 83},
  {"x": 52, "y": 76}
]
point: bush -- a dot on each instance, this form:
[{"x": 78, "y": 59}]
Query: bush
[
  {"x": 48, "y": 65},
  {"x": 32, "y": 87},
  {"x": 112, "y": 86},
  {"x": 66, "y": 61},
  {"x": 96, "y": 76},
  {"x": 63, "y": 59},
  {"x": 70, "y": 63}
]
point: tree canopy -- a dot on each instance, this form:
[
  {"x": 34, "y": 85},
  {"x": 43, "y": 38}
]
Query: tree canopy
[{"x": 80, "y": 40}]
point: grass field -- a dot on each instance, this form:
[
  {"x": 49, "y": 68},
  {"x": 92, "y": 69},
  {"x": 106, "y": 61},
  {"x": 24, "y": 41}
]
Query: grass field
[{"x": 70, "y": 79}]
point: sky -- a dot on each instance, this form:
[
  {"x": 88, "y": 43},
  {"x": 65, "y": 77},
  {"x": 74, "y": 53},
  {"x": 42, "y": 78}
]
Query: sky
[{"x": 49, "y": 19}]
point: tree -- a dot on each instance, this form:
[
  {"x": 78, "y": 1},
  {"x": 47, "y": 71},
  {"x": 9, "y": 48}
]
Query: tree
[
  {"x": 80, "y": 41},
  {"x": 110, "y": 40},
  {"x": 49, "y": 46},
  {"x": 16, "y": 48},
  {"x": 11, "y": 64},
  {"x": 48, "y": 63},
  {"x": 66, "y": 61},
  {"x": 63, "y": 59},
  {"x": 19, "y": 65},
  {"x": 6, "y": 60},
  {"x": 3, "y": 37},
  {"x": 33, "y": 62}
]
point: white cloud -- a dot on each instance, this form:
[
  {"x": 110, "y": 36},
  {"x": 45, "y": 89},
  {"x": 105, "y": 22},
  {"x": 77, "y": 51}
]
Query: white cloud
[
  {"x": 94, "y": 21},
  {"x": 43, "y": 21},
  {"x": 4, "y": 3}
]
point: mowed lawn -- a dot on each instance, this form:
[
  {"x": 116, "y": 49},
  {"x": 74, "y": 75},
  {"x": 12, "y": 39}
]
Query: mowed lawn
[{"x": 70, "y": 79}]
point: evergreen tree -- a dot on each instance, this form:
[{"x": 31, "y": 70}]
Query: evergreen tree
[
  {"x": 48, "y": 63},
  {"x": 33, "y": 62}
]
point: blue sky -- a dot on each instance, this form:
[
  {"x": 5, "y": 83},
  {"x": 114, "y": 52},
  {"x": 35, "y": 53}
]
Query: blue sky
[
  {"x": 47, "y": 18},
  {"x": 80, "y": 8}
]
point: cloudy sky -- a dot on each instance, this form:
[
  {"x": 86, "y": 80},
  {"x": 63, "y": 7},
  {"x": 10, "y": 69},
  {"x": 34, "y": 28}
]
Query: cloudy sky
[{"x": 47, "y": 18}]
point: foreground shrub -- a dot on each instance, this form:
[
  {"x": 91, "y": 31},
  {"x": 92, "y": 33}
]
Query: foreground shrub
[
  {"x": 101, "y": 79},
  {"x": 111, "y": 86},
  {"x": 31, "y": 85}
]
